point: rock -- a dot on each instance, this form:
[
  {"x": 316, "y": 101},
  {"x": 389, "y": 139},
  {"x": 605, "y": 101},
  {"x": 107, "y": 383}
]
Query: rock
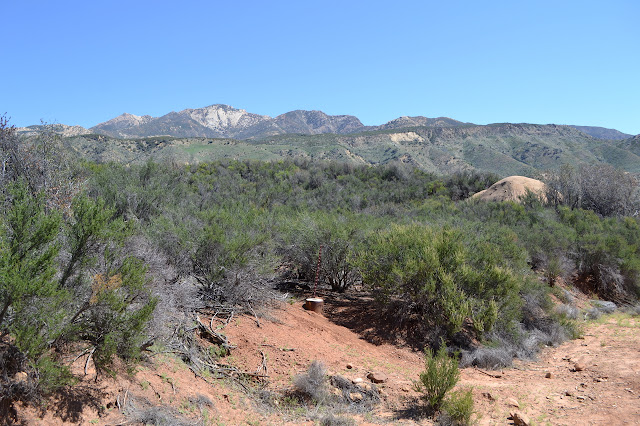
[
  {"x": 349, "y": 366},
  {"x": 357, "y": 380},
  {"x": 377, "y": 377},
  {"x": 549, "y": 375},
  {"x": 569, "y": 393},
  {"x": 512, "y": 402},
  {"x": 405, "y": 388},
  {"x": 581, "y": 398},
  {"x": 355, "y": 396},
  {"x": 21, "y": 376},
  {"x": 519, "y": 419},
  {"x": 578, "y": 366}
]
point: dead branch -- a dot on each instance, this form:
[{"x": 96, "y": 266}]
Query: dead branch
[
  {"x": 217, "y": 338},
  {"x": 255, "y": 316},
  {"x": 86, "y": 364},
  {"x": 86, "y": 351},
  {"x": 262, "y": 367}
]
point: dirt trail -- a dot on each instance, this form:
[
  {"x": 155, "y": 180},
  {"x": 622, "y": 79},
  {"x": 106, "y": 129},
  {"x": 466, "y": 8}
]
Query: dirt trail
[{"x": 605, "y": 392}]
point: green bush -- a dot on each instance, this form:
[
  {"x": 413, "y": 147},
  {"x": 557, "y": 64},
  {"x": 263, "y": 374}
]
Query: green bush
[
  {"x": 29, "y": 294},
  {"x": 69, "y": 281},
  {"x": 443, "y": 276},
  {"x": 458, "y": 407},
  {"x": 441, "y": 374}
]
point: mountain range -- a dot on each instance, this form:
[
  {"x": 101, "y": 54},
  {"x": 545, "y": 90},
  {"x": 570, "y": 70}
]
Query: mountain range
[
  {"x": 439, "y": 145},
  {"x": 224, "y": 121}
]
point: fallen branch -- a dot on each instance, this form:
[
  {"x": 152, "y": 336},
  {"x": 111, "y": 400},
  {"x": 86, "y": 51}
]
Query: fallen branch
[
  {"x": 495, "y": 376},
  {"x": 217, "y": 338}
]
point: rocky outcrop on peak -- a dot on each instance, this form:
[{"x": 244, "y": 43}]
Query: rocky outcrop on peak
[
  {"x": 222, "y": 118},
  {"x": 120, "y": 126}
]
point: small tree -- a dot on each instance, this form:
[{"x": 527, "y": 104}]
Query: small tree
[
  {"x": 337, "y": 235},
  {"x": 39, "y": 161}
]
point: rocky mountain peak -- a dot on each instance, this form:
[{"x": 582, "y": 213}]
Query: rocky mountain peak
[
  {"x": 122, "y": 122},
  {"x": 223, "y": 117}
]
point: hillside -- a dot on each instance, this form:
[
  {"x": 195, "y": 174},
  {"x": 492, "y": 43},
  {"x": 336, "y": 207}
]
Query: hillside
[
  {"x": 506, "y": 149},
  {"x": 168, "y": 392}
]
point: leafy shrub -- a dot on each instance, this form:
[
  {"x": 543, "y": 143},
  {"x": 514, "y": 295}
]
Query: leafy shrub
[
  {"x": 458, "y": 407},
  {"x": 443, "y": 276},
  {"x": 441, "y": 374},
  {"x": 607, "y": 251}
]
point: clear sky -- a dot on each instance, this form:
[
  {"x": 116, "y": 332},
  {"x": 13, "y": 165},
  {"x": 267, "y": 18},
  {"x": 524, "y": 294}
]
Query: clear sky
[{"x": 536, "y": 61}]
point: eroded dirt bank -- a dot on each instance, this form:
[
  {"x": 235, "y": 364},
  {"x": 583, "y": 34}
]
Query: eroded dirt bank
[{"x": 594, "y": 380}]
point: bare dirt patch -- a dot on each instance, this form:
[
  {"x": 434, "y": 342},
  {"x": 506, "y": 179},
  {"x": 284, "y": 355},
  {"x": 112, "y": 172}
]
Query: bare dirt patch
[
  {"x": 604, "y": 390},
  {"x": 511, "y": 188}
]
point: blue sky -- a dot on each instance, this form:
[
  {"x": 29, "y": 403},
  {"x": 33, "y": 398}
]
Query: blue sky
[{"x": 564, "y": 62}]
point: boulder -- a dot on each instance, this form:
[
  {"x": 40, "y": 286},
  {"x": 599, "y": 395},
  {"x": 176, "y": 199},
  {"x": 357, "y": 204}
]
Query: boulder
[{"x": 377, "y": 377}]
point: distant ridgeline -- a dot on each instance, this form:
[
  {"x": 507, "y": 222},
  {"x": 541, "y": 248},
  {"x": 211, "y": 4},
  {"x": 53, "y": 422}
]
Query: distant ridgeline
[{"x": 440, "y": 145}]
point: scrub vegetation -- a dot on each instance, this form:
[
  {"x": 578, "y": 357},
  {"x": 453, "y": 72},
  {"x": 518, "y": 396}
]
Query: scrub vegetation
[{"x": 88, "y": 250}]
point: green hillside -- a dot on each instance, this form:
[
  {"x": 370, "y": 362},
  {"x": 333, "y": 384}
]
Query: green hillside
[{"x": 505, "y": 149}]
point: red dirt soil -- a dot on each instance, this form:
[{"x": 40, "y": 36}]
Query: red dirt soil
[{"x": 288, "y": 338}]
